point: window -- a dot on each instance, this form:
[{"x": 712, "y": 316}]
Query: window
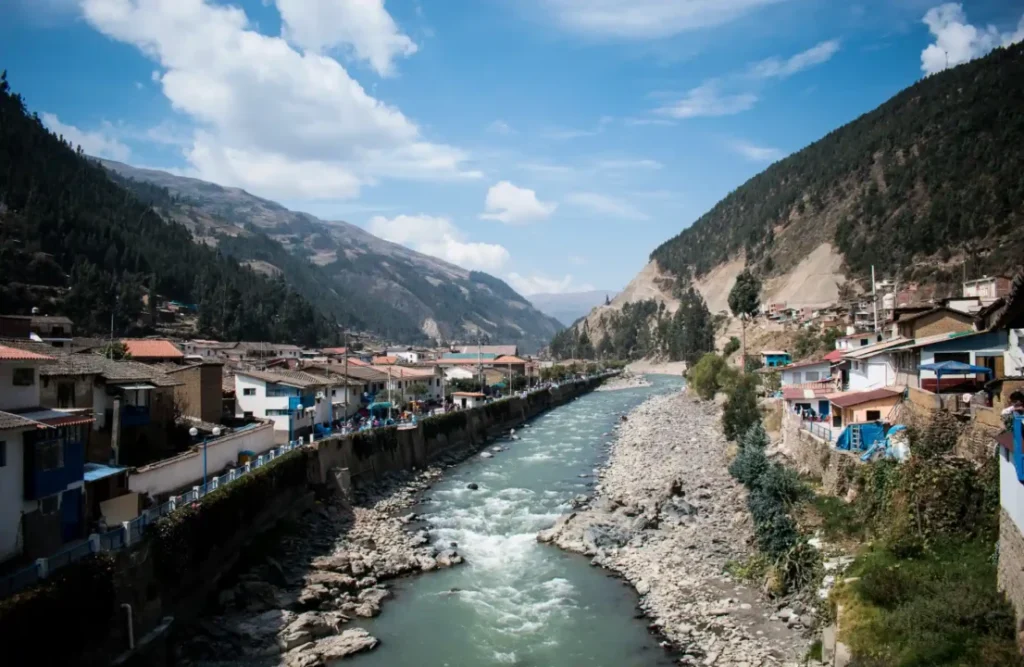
[
  {"x": 49, "y": 455},
  {"x": 796, "y": 377},
  {"x": 49, "y": 504},
  {"x": 874, "y": 415},
  {"x": 249, "y": 391},
  {"x": 24, "y": 377},
  {"x": 3, "y": 453},
  {"x": 65, "y": 394},
  {"x": 334, "y": 392},
  {"x": 274, "y": 412},
  {"x": 811, "y": 376}
]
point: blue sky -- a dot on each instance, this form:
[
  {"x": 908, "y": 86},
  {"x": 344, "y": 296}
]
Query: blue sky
[{"x": 553, "y": 143}]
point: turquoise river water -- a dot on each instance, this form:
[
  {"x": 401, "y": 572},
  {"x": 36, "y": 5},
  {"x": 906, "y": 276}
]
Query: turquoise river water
[{"x": 516, "y": 601}]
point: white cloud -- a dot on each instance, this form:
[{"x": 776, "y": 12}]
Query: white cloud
[
  {"x": 959, "y": 41},
  {"x": 641, "y": 122},
  {"x": 707, "y": 100},
  {"x": 269, "y": 118},
  {"x": 777, "y": 68},
  {"x": 605, "y": 205},
  {"x": 628, "y": 164},
  {"x": 755, "y": 153},
  {"x": 514, "y": 205},
  {"x": 646, "y": 19},
  {"x": 500, "y": 127},
  {"x": 538, "y": 284},
  {"x": 98, "y": 143},
  {"x": 363, "y": 26},
  {"x": 438, "y": 237}
]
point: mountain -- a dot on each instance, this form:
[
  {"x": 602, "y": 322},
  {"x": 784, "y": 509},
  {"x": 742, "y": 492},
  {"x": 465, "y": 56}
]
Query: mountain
[
  {"x": 570, "y": 306},
  {"x": 74, "y": 242},
  {"x": 925, "y": 188},
  {"x": 355, "y": 277}
]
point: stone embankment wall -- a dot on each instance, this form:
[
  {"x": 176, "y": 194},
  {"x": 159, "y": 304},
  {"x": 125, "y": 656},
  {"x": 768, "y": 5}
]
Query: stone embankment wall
[
  {"x": 178, "y": 563},
  {"x": 1011, "y": 567},
  {"x": 811, "y": 455}
]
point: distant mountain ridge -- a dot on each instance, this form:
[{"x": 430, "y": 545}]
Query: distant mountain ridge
[
  {"x": 570, "y": 306},
  {"x": 362, "y": 280}
]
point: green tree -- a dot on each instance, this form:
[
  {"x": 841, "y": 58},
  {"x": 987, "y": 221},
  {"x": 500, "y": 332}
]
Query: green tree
[
  {"x": 740, "y": 411},
  {"x": 731, "y": 346},
  {"x": 744, "y": 301},
  {"x": 710, "y": 375}
]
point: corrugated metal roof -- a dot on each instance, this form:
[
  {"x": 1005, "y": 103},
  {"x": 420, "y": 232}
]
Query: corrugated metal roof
[
  {"x": 12, "y": 422},
  {"x": 857, "y": 398},
  {"x": 877, "y": 348}
]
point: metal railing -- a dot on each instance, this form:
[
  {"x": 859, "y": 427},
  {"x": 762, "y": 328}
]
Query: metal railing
[
  {"x": 130, "y": 532},
  {"x": 819, "y": 429}
]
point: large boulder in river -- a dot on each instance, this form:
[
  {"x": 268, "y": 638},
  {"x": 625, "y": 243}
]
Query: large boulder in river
[{"x": 325, "y": 651}]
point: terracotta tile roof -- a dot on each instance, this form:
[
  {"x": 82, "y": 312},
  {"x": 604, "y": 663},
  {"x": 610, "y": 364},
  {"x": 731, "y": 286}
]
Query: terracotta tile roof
[
  {"x": 857, "y": 398},
  {"x": 290, "y": 378},
  {"x": 470, "y": 394},
  {"x": 834, "y": 356},
  {"x": 509, "y": 359},
  {"x": 384, "y": 361},
  {"x": 152, "y": 348},
  {"x": 17, "y": 354}
]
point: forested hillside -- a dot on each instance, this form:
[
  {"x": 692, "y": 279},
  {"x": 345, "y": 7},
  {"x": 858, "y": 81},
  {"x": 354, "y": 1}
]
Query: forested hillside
[
  {"x": 929, "y": 180},
  {"x": 73, "y": 241}
]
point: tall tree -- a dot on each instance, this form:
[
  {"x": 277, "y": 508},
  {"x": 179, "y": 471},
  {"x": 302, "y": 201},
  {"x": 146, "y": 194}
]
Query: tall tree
[{"x": 744, "y": 301}]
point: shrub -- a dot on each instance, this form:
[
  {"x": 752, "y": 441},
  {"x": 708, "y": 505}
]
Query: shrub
[
  {"x": 709, "y": 376},
  {"x": 443, "y": 423},
  {"x": 185, "y": 539},
  {"x": 938, "y": 437},
  {"x": 366, "y": 443},
  {"x": 741, "y": 411},
  {"x": 750, "y": 463},
  {"x": 731, "y": 346}
]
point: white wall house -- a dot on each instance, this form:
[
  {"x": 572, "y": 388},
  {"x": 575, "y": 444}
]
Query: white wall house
[
  {"x": 407, "y": 356},
  {"x": 278, "y": 396},
  {"x": 801, "y": 373},
  {"x": 468, "y": 399},
  {"x": 855, "y": 341}
]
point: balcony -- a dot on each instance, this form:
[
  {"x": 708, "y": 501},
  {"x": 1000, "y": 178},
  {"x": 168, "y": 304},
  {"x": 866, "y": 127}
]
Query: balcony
[
  {"x": 134, "y": 415},
  {"x": 64, "y": 464}
]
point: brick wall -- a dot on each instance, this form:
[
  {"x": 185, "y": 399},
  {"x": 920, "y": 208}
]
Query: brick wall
[
  {"x": 1011, "y": 567},
  {"x": 200, "y": 395}
]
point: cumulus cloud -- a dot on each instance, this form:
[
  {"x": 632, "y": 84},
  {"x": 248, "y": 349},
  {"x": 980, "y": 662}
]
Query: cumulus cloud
[
  {"x": 778, "y": 68},
  {"x": 605, "y": 205},
  {"x": 268, "y": 117},
  {"x": 438, "y": 237},
  {"x": 538, "y": 284},
  {"x": 959, "y": 41},
  {"x": 513, "y": 205},
  {"x": 708, "y": 100},
  {"x": 646, "y": 19},
  {"x": 99, "y": 143},
  {"x": 755, "y": 153},
  {"x": 363, "y": 27}
]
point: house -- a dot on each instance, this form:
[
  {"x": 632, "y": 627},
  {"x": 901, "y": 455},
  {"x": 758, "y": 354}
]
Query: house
[
  {"x": 987, "y": 288},
  {"x": 775, "y": 358},
  {"x": 511, "y": 364},
  {"x": 985, "y": 349},
  {"x": 934, "y": 321},
  {"x": 294, "y": 400},
  {"x": 407, "y": 356},
  {"x": 42, "y": 458},
  {"x": 857, "y": 340},
  {"x": 344, "y": 392},
  {"x": 54, "y": 330},
  {"x": 205, "y": 349},
  {"x": 817, "y": 370},
  {"x": 459, "y": 373},
  {"x": 199, "y": 393},
  {"x": 863, "y": 406},
  {"x": 1007, "y": 314},
  {"x": 873, "y": 366},
  {"x": 152, "y": 350},
  {"x": 468, "y": 399},
  {"x": 808, "y": 399},
  {"x": 493, "y": 350}
]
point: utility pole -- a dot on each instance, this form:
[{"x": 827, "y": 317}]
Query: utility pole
[
  {"x": 479, "y": 362},
  {"x": 345, "y": 353},
  {"x": 874, "y": 297}
]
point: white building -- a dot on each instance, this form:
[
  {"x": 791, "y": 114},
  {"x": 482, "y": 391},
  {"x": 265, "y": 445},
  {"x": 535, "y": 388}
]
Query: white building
[
  {"x": 874, "y": 366},
  {"x": 857, "y": 340},
  {"x": 42, "y": 458},
  {"x": 468, "y": 399},
  {"x": 806, "y": 371},
  {"x": 407, "y": 356},
  {"x": 293, "y": 400}
]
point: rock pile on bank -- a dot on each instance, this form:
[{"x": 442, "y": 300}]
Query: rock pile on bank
[
  {"x": 667, "y": 517},
  {"x": 626, "y": 380},
  {"x": 292, "y": 607}
]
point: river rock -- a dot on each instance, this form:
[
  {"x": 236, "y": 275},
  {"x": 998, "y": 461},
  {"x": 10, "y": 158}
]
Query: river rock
[
  {"x": 486, "y": 455},
  {"x": 603, "y": 536},
  {"x": 332, "y": 580},
  {"x": 336, "y": 563},
  {"x": 472, "y": 486},
  {"x": 323, "y": 651},
  {"x": 448, "y": 558},
  {"x": 308, "y": 626}
]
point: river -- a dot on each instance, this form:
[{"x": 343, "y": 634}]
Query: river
[{"x": 516, "y": 601}]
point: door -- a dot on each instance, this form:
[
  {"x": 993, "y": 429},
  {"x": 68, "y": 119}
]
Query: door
[
  {"x": 71, "y": 515},
  {"x": 823, "y": 408}
]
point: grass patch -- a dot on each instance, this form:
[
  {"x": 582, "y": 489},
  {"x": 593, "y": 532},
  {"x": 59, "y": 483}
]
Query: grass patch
[
  {"x": 814, "y": 653},
  {"x": 936, "y": 607},
  {"x": 838, "y": 520},
  {"x": 752, "y": 569}
]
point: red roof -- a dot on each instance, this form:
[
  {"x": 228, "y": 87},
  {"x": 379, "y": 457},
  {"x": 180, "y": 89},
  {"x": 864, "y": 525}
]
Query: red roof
[
  {"x": 334, "y": 350},
  {"x": 384, "y": 361},
  {"x": 14, "y": 354},
  {"x": 835, "y": 356},
  {"x": 152, "y": 348},
  {"x": 857, "y": 398},
  {"x": 509, "y": 359},
  {"x": 472, "y": 394}
]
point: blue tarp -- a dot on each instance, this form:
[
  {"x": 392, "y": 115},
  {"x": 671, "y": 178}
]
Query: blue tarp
[
  {"x": 95, "y": 471},
  {"x": 870, "y": 433},
  {"x": 954, "y": 368}
]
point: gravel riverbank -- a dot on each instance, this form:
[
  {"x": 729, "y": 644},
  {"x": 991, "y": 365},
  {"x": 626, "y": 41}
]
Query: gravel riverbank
[
  {"x": 667, "y": 517},
  {"x": 624, "y": 381}
]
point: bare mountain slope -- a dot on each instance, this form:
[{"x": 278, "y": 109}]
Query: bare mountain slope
[{"x": 364, "y": 281}]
